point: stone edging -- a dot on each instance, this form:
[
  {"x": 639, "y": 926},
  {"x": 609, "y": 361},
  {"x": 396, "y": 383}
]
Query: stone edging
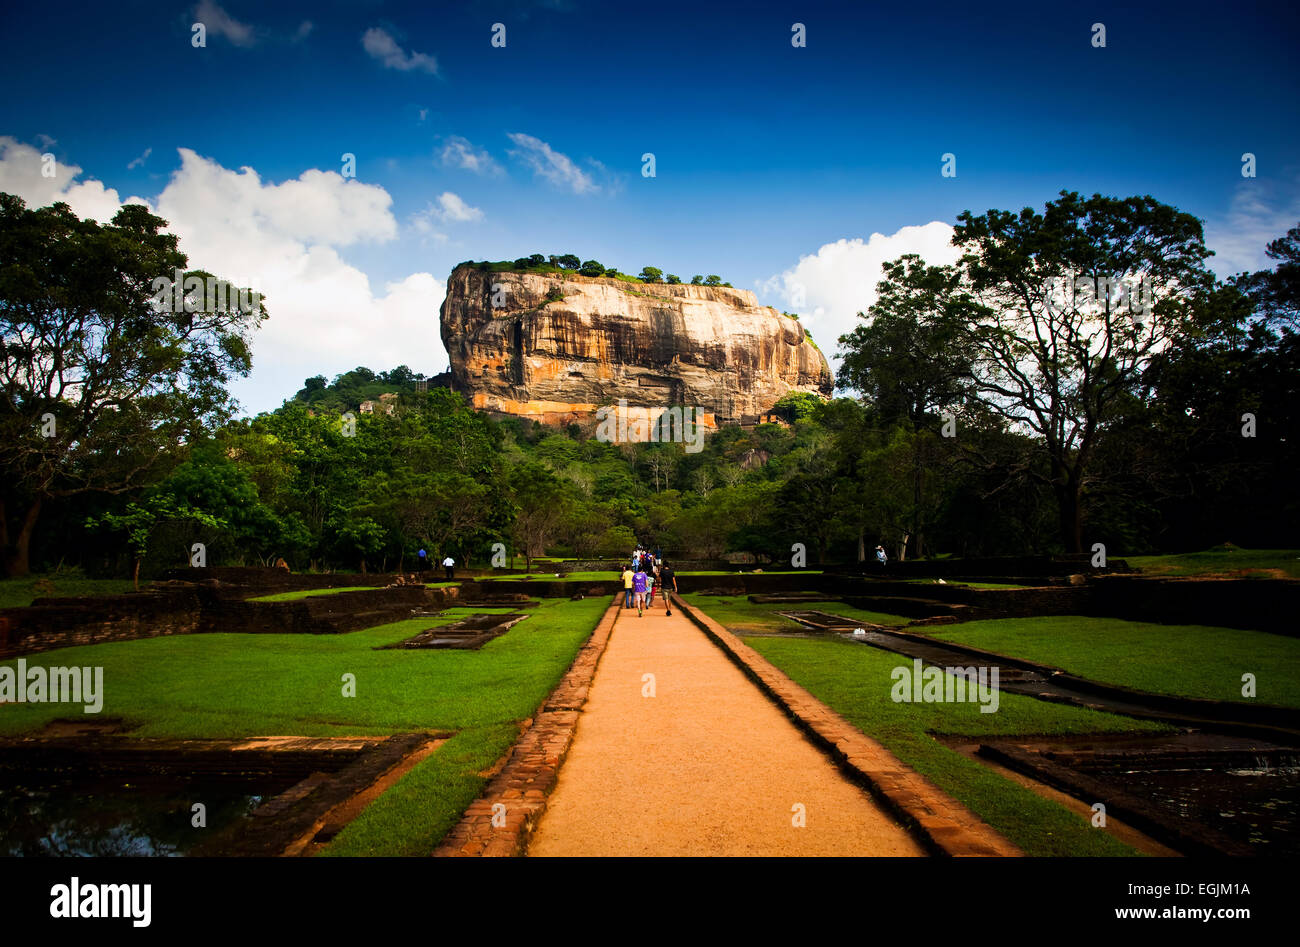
[
  {"x": 941, "y": 823},
  {"x": 530, "y": 772}
]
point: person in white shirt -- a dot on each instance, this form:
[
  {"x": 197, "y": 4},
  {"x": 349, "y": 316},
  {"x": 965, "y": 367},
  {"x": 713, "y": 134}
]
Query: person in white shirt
[{"x": 450, "y": 565}]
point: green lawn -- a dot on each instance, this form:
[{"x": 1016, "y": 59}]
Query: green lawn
[
  {"x": 970, "y": 585},
  {"x": 1254, "y": 563},
  {"x": 739, "y": 614},
  {"x": 854, "y": 680},
  {"x": 544, "y": 576},
  {"x": 19, "y": 593},
  {"x": 310, "y": 593},
  {"x": 1184, "y": 660},
  {"x": 229, "y": 685}
]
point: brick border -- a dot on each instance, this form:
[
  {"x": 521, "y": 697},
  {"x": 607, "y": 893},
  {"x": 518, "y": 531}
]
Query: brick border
[
  {"x": 530, "y": 773},
  {"x": 939, "y": 822}
]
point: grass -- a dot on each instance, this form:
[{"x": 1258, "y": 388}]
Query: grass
[
  {"x": 740, "y": 614},
  {"x": 19, "y": 593},
  {"x": 969, "y": 585},
  {"x": 232, "y": 685},
  {"x": 1182, "y": 660},
  {"x": 310, "y": 593},
  {"x": 1223, "y": 560},
  {"x": 564, "y": 577},
  {"x": 854, "y": 680}
]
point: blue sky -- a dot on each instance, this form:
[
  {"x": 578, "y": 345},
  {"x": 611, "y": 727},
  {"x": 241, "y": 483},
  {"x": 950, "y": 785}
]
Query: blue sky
[{"x": 765, "y": 154}]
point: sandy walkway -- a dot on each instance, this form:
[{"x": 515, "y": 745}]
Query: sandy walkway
[{"x": 707, "y": 766}]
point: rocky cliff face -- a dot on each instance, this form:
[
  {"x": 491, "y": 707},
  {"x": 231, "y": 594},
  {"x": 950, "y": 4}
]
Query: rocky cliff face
[{"x": 655, "y": 345}]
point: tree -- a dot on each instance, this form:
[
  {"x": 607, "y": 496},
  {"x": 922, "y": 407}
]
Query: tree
[
  {"x": 592, "y": 268},
  {"x": 697, "y": 280},
  {"x": 712, "y": 280},
  {"x": 99, "y": 384},
  {"x": 913, "y": 356},
  {"x": 1276, "y": 292},
  {"x": 651, "y": 274},
  {"x": 1053, "y": 350},
  {"x": 568, "y": 261},
  {"x": 672, "y": 279},
  {"x": 141, "y": 519},
  {"x": 538, "y": 497}
]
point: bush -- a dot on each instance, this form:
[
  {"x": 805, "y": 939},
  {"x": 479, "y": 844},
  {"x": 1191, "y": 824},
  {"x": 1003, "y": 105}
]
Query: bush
[
  {"x": 592, "y": 268},
  {"x": 672, "y": 279},
  {"x": 652, "y": 274}
]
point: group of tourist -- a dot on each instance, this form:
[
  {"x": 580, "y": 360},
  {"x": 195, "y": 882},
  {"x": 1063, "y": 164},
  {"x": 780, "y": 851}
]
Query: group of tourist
[{"x": 646, "y": 573}]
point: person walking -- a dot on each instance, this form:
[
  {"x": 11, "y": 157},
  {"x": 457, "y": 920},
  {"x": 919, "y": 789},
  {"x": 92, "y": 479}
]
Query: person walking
[
  {"x": 638, "y": 593},
  {"x": 667, "y": 582},
  {"x": 881, "y": 558},
  {"x": 424, "y": 559},
  {"x": 627, "y": 587},
  {"x": 649, "y": 590},
  {"x": 450, "y": 565}
]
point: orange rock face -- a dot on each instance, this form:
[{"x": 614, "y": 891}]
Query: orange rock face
[{"x": 710, "y": 348}]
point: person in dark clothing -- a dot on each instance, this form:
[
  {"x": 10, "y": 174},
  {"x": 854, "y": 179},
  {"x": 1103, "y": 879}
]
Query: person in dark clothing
[{"x": 667, "y": 586}]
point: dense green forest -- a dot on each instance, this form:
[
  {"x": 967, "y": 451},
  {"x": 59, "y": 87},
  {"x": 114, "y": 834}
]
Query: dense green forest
[{"x": 1176, "y": 446}]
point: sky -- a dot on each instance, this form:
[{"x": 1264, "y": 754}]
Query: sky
[{"x": 791, "y": 170}]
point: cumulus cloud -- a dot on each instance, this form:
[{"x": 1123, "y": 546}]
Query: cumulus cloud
[
  {"x": 282, "y": 240},
  {"x": 1260, "y": 211},
  {"x": 380, "y": 45},
  {"x": 830, "y": 287},
  {"x": 220, "y": 23},
  {"x": 21, "y": 168},
  {"x": 461, "y": 153},
  {"x": 550, "y": 164},
  {"x": 453, "y": 209}
]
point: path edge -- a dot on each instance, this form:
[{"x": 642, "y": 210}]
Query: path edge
[
  {"x": 524, "y": 784},
  {"x": 939, "y": 822}
]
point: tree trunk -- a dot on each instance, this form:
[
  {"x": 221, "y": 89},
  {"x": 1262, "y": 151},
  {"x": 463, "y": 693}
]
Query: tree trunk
[
  {"x": 1071, "y": 517},
  {"x": 135, "y": 577},
  {"x": 16, "y": 553}
]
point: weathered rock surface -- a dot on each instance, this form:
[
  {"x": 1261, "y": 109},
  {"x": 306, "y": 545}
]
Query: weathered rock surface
[{"x": 656, "y": 345}]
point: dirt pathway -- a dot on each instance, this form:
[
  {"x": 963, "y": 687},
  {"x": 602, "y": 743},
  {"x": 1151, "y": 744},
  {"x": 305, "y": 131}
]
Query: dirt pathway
[{"x": 705, "y": 766}]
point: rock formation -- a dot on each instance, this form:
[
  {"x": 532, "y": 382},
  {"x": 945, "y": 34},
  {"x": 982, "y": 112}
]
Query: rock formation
[{"x": 556, "y": 347}]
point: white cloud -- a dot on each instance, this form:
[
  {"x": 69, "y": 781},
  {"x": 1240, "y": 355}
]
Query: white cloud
[
  {"x": 136, "y": 162},
  {"x": 461, "y": 153},
  {"x": 20, "y": 174},
  {"x": 220, "y": 23},
  {"x": 548, "y": 163},
  {"x": 282, "y": 240},
  {"x": 829, "y": 288},
  {"x": 1257, "y": 214},
  {"x": 380, "y": 45},
  {"x": 453, "y": 209}
]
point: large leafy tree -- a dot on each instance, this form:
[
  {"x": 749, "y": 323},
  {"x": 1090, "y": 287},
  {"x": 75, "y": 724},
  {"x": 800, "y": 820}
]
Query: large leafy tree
[
  {"x": 1057, "y": 360},
  {"x": 98, "y": 388},
  {"x": 911, "y": 356}
]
